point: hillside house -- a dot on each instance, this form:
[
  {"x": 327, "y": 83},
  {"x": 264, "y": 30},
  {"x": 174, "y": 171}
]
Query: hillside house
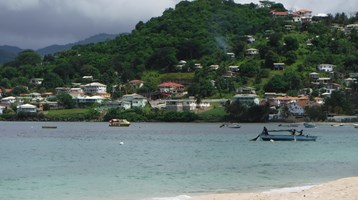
[
  {"x": 8, "y": 100},
  {"x": 275, "y": 13},
  {"x": 314, "y": 75},
  {"x": 213, "y": 67},
  {"x": 184, "y": 104},
  {"x": 234, "y": 68},
  {"x": 278, "y": 66},
  {"x": 26, "y": 108},
  {"x": 247, "y": 99},
  {"x": 302, "y": 15},
  {"x": 61, "y": 89},
  {"x": 95, "y": 88},
  {"x": 76, "y": 92},
  {"x": 296, "y": 110},
  {"x": 36, "y": 81},
  {"x": 246, "y": 90},
  {"x": 250, "y": 39},
  {"x": 136, "y": 84},
  {"x": 134, "y": 101},
  {"x": 349, "y": 81},
  {"x": 252, "y": 52},
  {"x": 89, "y": 99},
  {"x": 171, "y": 88},
  {"x": 326, "y": 67}
]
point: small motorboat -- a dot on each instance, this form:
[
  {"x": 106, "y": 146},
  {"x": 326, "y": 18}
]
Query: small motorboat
[
  {"x": 336, "y": 125},
  {"x": 265, "y": 136},
  {"x": 49, "y": 126},
  {"x": 355, "y": 125},
  {"x": 230, "y": 125},
  {"x": 119, "y": 122},
  {"x": 288, "y": 125},
  {"x": 309, "y": 125}
]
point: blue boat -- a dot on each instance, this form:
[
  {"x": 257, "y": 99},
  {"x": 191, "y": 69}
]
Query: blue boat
[{"x": 265, "y": 136}]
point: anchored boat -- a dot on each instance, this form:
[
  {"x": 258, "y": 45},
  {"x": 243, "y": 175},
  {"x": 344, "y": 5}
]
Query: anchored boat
[
  {"x": 119, "y": 122},
  {"x": 293, "y": 136}
]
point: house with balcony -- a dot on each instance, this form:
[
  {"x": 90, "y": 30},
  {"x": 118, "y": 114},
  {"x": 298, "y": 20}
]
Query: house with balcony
[
  {"x": 185, "y": 104},
  {"x": 95, "y": 88},
  {"x": 8, "y": 100},
  {"x": 302, "y": 15},
  {"x": 172, "y": 88},
  {"x": 247, "y": 99},
  {"x": 134, "y": 101}
]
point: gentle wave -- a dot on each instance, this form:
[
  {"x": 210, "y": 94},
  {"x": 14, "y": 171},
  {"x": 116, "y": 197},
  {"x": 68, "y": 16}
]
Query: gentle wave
[
  {"x": 289, "y": 189},
  {"x": 180, "y": 197}
]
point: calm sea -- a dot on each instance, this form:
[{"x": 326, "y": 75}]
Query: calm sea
[{"x": 163, "y": 160}]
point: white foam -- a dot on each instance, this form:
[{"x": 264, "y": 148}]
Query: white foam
[
  {"x": 180, "y": 197},
  {"x": 290, "y": 189}
]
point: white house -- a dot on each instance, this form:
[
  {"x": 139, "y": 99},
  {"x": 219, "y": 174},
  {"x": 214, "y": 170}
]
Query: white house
[
  {"x": 247, "y": 99},
  {"x": 302, "y": 15},
  {"x": 90, "y": 99},
  {"x": 26, "y": 108},
  {"x": 184, "y": 104},
  {"x": 326, "y": 67},
  {"x": 8, "y": 100},
  {"x": 252, "y": 52},
  {"x": 350, "y": 81},
  {"x": 36, "y": 81},
  {"x": 134, "y": 100},
  {"x": 95, "y": 88},
  {"x": 296, "y": 110},
  {"x": 171, "y": 88},
  {"x": 314, "y": 75},
  {"x": 278, "y": 66}
]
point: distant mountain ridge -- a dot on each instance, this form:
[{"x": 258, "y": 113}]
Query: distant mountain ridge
[
  {"x": 8, "y": 53},
  {"x": 93, "y": 39}
]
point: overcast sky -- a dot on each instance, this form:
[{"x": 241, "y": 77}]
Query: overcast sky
[{"x": 39, "y": 23}]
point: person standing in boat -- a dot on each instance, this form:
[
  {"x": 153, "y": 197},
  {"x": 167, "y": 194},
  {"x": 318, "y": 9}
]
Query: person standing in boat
[
  {"x": 293, "y": 131},
  {"x": 301, "y": 132},
  {"x": 265, "y": 131}
]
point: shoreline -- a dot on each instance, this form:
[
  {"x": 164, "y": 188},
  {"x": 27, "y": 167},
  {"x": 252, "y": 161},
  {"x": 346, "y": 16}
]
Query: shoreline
[{"x": 342, "y": 189}]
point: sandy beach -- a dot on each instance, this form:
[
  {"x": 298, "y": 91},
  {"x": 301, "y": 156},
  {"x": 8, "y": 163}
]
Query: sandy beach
[{"x": 342, "y": 189}]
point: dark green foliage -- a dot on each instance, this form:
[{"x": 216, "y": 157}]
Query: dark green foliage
[
  {"x": 242, "y": 113},
  {"x": 338, "y": 103},
  {"x": 65, "y": 100},
  {"x": 315, "y": 113}
]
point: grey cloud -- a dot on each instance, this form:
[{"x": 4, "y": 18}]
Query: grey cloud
[{"x": 38, "y": 23}]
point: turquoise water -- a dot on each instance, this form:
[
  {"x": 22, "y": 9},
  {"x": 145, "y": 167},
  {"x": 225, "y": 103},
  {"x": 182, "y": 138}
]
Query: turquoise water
[{"x": 87, "y": 161}]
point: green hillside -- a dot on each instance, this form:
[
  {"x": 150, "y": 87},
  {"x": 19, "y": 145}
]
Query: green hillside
[{"x": 202, "y": 32}]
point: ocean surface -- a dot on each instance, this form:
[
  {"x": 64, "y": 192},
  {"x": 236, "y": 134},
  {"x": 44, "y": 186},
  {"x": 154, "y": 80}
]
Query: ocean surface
[{"x": 162, "y": 161}]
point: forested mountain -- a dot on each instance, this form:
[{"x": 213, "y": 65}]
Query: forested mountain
[
  {"x": 203, "y": 32},
  {"x": 8, "y": 53}
]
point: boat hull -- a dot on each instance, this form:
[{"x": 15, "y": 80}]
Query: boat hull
[
  {"x": 287, "y": 138},
  {"x": 309, "y": 125}
]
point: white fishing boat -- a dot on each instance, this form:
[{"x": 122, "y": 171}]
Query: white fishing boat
[{"x": 119, "y": 122}]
